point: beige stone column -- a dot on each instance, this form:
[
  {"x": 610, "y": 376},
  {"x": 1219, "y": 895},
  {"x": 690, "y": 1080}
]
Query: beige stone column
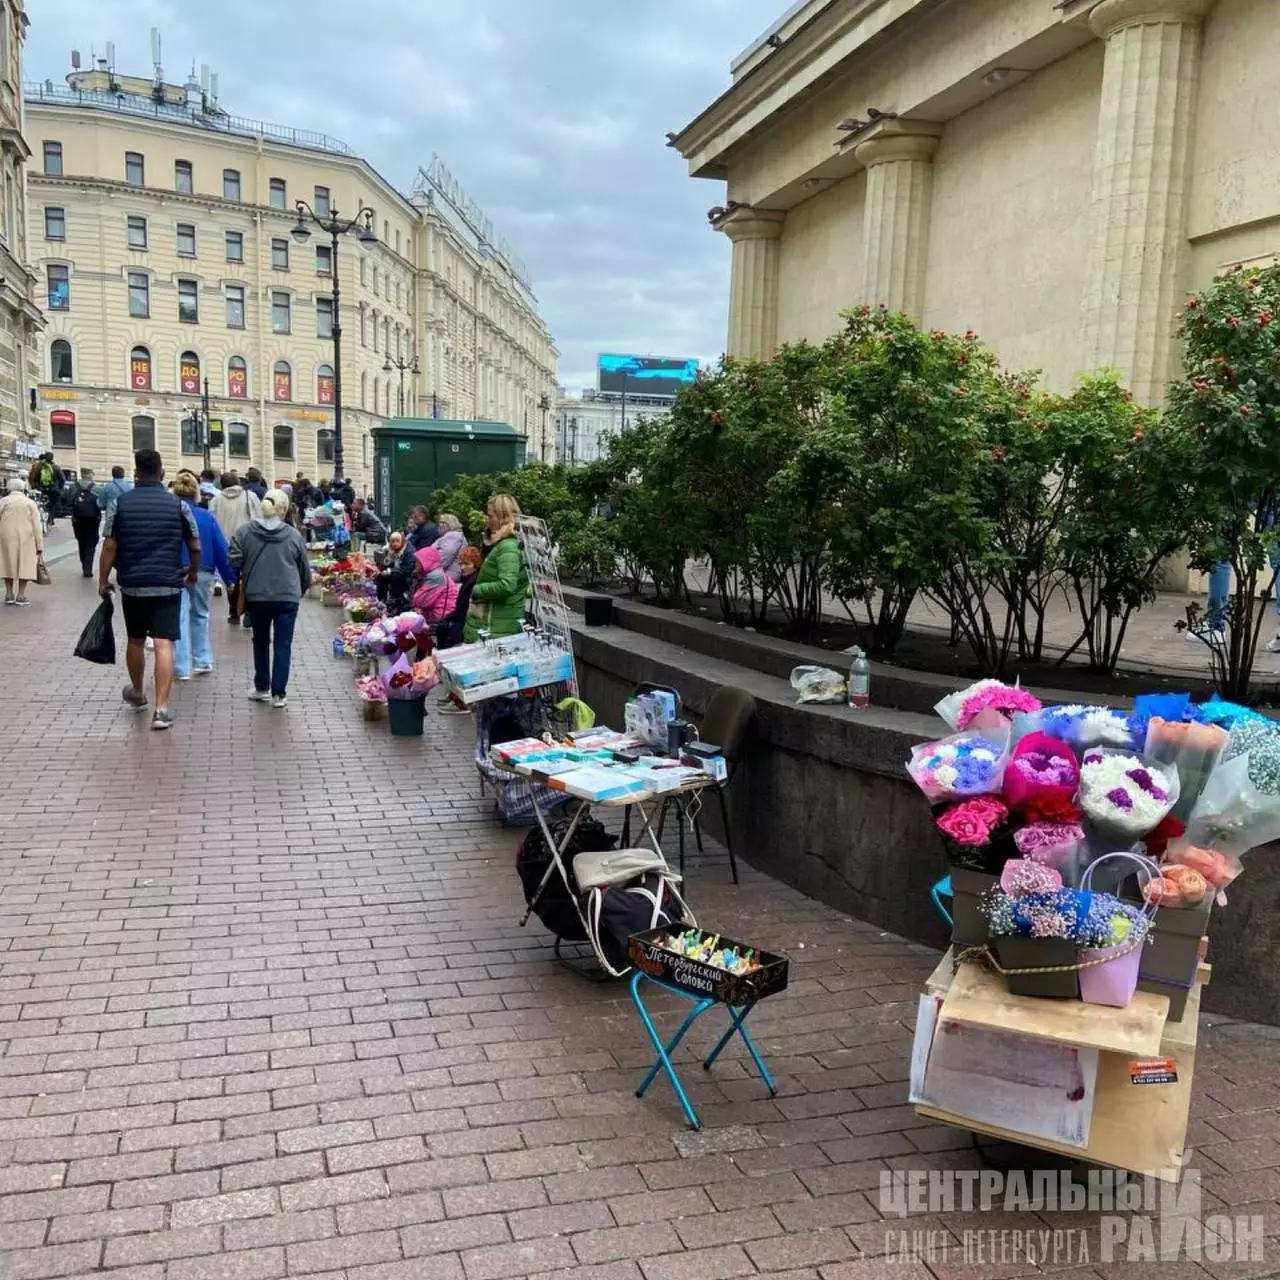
[
  {"x": 1140, "y": 187},
  {"x": 753, "y": 283},
  {"x": 895, "y": 240}
]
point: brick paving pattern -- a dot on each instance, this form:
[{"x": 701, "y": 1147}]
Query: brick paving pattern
[{"x": 265, "y": 1011}]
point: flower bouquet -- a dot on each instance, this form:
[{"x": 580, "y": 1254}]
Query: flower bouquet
[
  {"x": 1060, "y": 845},
  {"x": 975, "y": 834},
  {"x": 963, "y": 708},
  {"x": 1124, "y": 794},
  {"x": 373, "y": 697},
  {"x": 1177, "y": 885},
  {"x": 1040, "y": 767},
  {"x": 404, "y": 679},
  {"x": 1034, "y": 937},
  {"x": 1193, "y": 749},
  {"x": 1083, "y": 727},
  {"x": 966, "y": 764}
]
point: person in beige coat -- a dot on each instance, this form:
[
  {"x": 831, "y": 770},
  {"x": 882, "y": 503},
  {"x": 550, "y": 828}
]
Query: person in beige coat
[{"x": 21, "y": 542}]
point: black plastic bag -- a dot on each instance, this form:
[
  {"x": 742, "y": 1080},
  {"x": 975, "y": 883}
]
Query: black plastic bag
[{"x": 97, "y": 641}]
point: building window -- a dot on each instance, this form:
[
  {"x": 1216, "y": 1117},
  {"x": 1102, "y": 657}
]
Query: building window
[
  {"x": 375, "y": 280},
  {"x": 324, "y": 384},
  {"x": 140, "y": 369},
  {"x": 282, "y": 443},
  {"x": 134, "y": 169},
  {"x": 282, "y": 381},
  {"x": 58, "y": 290},
  {"x": 189, "y": 301},
  {"x": 364, "y": 271},
  {"x": 321, "y": 202},
  {"x": 53, "y": 157},
  {"x": 182, "y": 177},
  {"x": 62, "y": 428},
  {"x": 144, "y": 432},
  {"x": 60, "y": 367},
  {"x": 231, "y": 184},
  {"x": 237, "y": 378},
  {"x": 137, "y": 232},
  {"x": 324, "y": 260},
  {"x": 55, "y": 224},
  {"x": 277, "y": 193},
  {"x": 324, "y": 445},
  {"x": 238, "y": 439},
  {"x": 280, "y": 253},
  {"x": 186, "y": 240},
  {"x": 191, "y": 435},
  {"x": 364, "y": 326},
  {"x": 189, "y": 373},
  {"x": 397, "y": 241},
  {"x": 280, "y": 308},
  {"x": 235, "y": 306},
  {"x": 397, "y": 295},
  {"x": 364, "y": 390},
  {"x": 324, "y": 317},
  {"x": 235, "y": 246},
  {"x": 139, "y": 295}
]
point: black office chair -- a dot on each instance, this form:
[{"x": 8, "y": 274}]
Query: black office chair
[{"x": 726, "y": 723}]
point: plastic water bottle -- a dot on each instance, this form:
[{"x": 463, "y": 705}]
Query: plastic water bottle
[{"x": 859, "y": 679}]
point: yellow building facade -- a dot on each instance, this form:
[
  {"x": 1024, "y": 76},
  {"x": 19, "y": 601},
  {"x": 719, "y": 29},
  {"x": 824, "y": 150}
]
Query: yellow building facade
[
  {"x": 1056, "y": 176},
  {"x": 160, "y": 233},
  {"x": 20, "y": 319}
]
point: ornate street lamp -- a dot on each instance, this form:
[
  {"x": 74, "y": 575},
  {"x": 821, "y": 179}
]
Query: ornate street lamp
[
  {"x": 336, "y": 226},
  {"x": 410, "y": 366}
]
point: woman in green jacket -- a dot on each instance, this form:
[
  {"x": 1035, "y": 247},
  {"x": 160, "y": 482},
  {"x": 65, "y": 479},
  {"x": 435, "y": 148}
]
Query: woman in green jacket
[{"x": 502, "y": 585}]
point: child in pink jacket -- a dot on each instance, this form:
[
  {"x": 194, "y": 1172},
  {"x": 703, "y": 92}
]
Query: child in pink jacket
[{"x": 436, "y": 593}]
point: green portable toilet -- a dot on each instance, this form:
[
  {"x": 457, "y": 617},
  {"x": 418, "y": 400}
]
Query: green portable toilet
[{"x": 413, "y": 457}]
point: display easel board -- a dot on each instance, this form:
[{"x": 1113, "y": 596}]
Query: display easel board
[{"x": 1139, "y": 1116}]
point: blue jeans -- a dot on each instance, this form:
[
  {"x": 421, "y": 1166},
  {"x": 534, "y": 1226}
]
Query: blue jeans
[
  {"x": 273, "y": 622},
  {"x": 1220, "y": 588},
  {"x": 193, "y": 637}
]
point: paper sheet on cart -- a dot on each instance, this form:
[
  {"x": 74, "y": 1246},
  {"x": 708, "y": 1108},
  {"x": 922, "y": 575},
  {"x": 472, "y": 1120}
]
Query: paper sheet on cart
[{"x": 1034, "y": 1087}]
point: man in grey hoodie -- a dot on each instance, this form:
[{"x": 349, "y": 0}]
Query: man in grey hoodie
[
  {"x": 274, "y": 572},
  {"x": 233, "y": 507}
]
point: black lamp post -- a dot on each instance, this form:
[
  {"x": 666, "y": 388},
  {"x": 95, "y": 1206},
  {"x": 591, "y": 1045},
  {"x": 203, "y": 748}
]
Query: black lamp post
[
  {"x": 409, "y": 366},
  {"x": 336, "y": 226},
  {"x": 544, "y": 403}
]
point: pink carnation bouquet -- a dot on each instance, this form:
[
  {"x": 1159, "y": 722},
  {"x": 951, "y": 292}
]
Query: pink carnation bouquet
[
  {"x": 975, "y": 834},
  {"x": 962, "y": 708}
]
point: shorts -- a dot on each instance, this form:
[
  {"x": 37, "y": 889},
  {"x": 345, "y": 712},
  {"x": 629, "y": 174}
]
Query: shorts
[{"x": 154, "y": 616}]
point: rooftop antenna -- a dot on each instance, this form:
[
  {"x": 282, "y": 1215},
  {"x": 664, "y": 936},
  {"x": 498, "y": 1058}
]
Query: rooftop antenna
[
  {"x": 204, "y": 76},
  {"x": 111, "y": 55},
  {"x": 75, "y": 59},
  {"x": 213, "y": 89},
  {"x": 155, "y": 54}
]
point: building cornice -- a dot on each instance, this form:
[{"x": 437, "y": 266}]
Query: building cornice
[
  {"x": 1114, "y": 15},
  {"x": 813, "y": 52}
]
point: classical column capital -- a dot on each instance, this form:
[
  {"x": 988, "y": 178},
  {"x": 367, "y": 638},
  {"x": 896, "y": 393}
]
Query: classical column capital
[
  {"x": 1113, "y": 15},
  {"x": 898, "y": 140},
  {"x": 752, "y": 224}
]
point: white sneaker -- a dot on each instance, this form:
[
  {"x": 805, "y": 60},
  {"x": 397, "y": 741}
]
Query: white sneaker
[
  {"x": 1207, "y": 635},
  {"x": 279, "y": 700},
  {"x": 1273, "y": 645},
  {"x": 259, "y": 695}
]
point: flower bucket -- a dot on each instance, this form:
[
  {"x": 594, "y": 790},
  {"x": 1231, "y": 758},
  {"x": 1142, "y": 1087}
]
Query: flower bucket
[
  {"x": 1050, "y": 965},
  {"x": 1115, "y": 979},
  {"x": 407, "y": 716}
]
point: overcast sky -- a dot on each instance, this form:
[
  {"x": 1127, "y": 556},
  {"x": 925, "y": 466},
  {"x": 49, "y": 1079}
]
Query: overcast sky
[{"x": 551, "y": 113}]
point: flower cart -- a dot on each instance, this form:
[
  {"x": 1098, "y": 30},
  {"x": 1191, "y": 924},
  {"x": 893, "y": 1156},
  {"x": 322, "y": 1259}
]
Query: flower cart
[{"x": 1087, "y": 848}]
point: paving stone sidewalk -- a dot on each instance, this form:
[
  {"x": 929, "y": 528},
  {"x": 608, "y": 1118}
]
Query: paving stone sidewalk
[{"x": 265, "y": 1011}]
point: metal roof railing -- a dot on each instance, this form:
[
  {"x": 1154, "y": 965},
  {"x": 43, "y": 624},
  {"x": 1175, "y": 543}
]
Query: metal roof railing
[{"x": 132, "y": 104}]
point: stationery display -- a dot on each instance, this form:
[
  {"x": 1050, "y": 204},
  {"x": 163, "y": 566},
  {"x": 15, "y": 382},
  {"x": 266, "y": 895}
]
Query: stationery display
[{"x": 490, "y": 668}]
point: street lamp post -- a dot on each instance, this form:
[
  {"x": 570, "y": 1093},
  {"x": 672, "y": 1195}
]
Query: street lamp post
[
  {"x": 336, "y": 226},
  {"x": 410, "y": 366},
  {"x": 544, "y": 404}
]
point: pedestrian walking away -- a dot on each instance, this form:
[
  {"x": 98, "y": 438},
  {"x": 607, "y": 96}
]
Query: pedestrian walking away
[
  {"x": 21, "y": 542},
  {"x": 144, "y": 534},
  {"x": 233, "y": 508},
  {"x": 194, "y": 654},
  {"x": 271, "y": 559},
  {"x": 86, "y": 524}
]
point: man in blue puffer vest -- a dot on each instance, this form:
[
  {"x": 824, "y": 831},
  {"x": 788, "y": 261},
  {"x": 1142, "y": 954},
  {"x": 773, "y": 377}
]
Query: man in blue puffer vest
[{"x": 144, "y": 534}]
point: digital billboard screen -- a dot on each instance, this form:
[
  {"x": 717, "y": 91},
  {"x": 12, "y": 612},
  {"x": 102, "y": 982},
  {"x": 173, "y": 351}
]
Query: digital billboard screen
[{"x": 646, "y": 375}]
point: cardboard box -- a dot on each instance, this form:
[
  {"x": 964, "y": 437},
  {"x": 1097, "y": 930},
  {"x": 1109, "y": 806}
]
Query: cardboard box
[{"x": 968, "y": 924}]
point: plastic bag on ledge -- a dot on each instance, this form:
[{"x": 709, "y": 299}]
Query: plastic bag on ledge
[{"x": 818, "y": 684}]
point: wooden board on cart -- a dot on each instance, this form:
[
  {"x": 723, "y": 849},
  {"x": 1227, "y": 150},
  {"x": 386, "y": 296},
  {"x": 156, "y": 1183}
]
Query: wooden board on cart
[
  {"x": 978, "y": 996},
  {"x": 1141, "y": 1128}
]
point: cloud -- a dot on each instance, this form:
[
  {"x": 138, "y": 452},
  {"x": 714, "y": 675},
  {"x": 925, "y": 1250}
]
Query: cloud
[{"x": 551, "y": 113}]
